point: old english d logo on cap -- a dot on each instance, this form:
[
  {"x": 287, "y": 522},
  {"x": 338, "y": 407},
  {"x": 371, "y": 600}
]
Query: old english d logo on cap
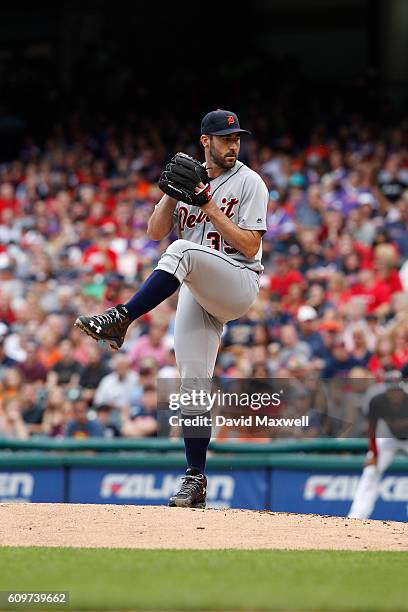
[{"x": 220, "y": 123}]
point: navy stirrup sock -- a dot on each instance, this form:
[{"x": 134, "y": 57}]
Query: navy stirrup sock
[
  {"x": 196, "y": 447},
  {"x": 157, "y": 287}
]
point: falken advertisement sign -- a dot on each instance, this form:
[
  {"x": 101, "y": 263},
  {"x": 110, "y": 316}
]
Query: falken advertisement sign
[
  {"x": 46, "y": 485},
  {"x": 332, "y": 493},
  {"x": 281, "y": 490},
  {"x": 225, "y": 489}
]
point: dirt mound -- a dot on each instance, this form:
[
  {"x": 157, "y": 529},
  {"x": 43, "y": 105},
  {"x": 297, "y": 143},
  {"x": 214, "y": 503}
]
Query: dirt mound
[{"x": 160, "y": 527}]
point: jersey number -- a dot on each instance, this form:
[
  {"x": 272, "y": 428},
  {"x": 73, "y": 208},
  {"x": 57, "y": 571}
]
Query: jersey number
[{"x": 216, "y": 243}]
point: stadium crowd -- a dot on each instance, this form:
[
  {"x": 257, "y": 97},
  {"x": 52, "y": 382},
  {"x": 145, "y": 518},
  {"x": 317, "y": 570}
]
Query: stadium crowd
[{"x": 333, "y": 302}]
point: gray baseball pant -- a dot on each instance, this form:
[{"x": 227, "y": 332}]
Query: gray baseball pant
[{"x": 214, "y": 289}]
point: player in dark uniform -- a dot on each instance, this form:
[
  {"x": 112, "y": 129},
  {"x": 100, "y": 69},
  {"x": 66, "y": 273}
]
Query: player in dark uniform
[{"x": 388, "y": 435}]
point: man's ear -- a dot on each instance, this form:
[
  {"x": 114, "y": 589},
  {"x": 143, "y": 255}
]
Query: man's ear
[{"x": 204, "y": 141}]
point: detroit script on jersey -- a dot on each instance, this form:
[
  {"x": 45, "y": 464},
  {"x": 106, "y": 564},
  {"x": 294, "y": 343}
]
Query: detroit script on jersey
[{"x": 243, "y": 197}]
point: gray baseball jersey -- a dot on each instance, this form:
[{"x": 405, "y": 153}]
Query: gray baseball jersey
[
  {"x": 218, "y": 284},
  {"x": 242, "y": 195}
]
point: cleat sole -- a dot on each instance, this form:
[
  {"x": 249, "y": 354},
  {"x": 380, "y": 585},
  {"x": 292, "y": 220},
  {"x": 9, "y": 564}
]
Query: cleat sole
[
  {"x": 95, "y": 336},
  {"x": 184, "y": 503}
]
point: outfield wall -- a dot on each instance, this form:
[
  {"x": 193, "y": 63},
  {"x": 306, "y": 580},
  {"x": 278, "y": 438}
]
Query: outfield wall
[{"x": 287, "y": 482}]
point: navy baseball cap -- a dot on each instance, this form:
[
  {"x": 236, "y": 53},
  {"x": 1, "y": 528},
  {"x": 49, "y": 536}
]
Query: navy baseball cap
[{"x": 221, "y": 122}]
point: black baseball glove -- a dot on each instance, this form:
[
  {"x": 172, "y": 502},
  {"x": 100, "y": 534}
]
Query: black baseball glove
[{"x": 180, "y": 178}]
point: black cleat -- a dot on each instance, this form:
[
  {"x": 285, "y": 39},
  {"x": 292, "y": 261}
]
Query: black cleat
[
  {"x": 193, "y": 491},
  {"x": 111, "y": 325}
]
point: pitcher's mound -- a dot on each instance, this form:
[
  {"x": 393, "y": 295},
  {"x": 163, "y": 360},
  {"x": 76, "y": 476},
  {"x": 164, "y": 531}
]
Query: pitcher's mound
[{"x": 160, "y": 527}]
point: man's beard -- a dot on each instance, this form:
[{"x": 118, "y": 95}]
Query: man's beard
[{"x": 220, "y": 161}]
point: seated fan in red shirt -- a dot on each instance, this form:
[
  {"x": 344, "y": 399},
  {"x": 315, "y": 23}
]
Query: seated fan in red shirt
[
  {"x": 284, "y": 276},
  {"x": 101, "y": 257}
]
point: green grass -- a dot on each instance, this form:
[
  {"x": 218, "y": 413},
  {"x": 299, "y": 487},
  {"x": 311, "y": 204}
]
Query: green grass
[{"x": 123, "y": 579}]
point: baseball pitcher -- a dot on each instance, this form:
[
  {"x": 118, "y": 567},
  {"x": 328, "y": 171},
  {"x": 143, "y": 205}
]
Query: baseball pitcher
[{"x": 220, "y": 212}]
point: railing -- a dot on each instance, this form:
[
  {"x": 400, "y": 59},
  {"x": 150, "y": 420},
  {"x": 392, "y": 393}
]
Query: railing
[
  {"x": 166, "y": 445},
  {"x": 112, "y": 461}
]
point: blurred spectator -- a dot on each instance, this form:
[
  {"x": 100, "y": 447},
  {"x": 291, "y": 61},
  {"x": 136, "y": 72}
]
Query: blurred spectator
[
  {"x": 66, "y": 371},
  {"x": 31, "y": 369},
  {"x": 11, "y": 421},
  {"x": 301, "y": 404},
  {"x": 148, "y": 376},
  {"x": 306, "y": 320},
  {"x": 340, "y": 362},
  {"x": 284, "y": 277},
  {"x": 316, "y": 297},
  {"x": 276, "y": 317},
  {"x": 49, "y": 353},
  {"x": 308, "y": 210},
  {"x": 353, "y": 422},
  {"x": 152, "y": 345},
  {"x": 293, "y": 300},
  {"x": 110, "y": 429},
  {"x": 7, "y": 315},
  {"x": 115, "y": 388},
  {"x": 93, "y": 372},
  {"x": 57, "y": 413},
  {"x": 397, "y": 224},
  {"x": 12, "y": 384},
  {"x": 399, "y": 338},
  {"x": 32, "y": 409},
  {"x": 144, "y": 423},
  {"x": 359, "y": 348},
  {"x": 239, "y": 331},
  {"x": 80, "y": 426},
  {"x": 101, "y": 257},
  {"x": 390, "y": 179},
  {"x": 292, "y": 346},
  {"x": 381, "y": 360},
  {"x": 280, "y": 222},
  {"x": 5, "y": 360}
]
